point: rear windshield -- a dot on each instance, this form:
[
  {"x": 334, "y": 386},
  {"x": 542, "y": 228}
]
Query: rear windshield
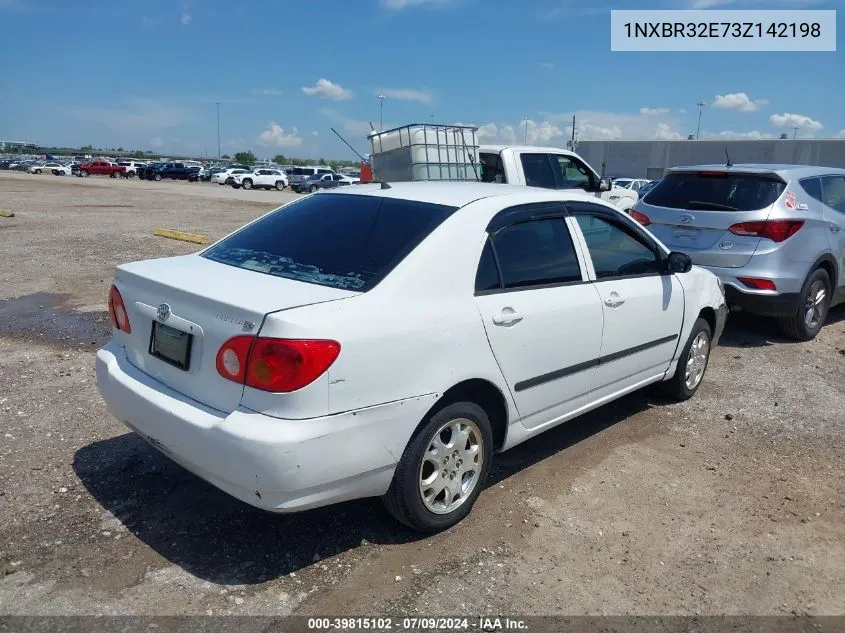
[
  {"x": 343, "y": 241},
  {"x": 303, "y": 171},
  {"x": 715, "y": 192}
]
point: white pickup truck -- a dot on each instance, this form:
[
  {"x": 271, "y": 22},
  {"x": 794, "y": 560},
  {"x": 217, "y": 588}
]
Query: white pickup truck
[{"x": 551, "y": 168}]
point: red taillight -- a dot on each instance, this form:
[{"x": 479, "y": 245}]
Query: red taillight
[
  {"x": 233, "y": 356},
  {"x": 775, "y": 230},
  {"x": 642, "y": 218},
  {"x": 272, "y": 364},
  {"x": 117, "y": 311},
  {"x": 758, "y": 284}
]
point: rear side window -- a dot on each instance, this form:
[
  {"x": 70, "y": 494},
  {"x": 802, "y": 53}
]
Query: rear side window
[
  {"x": 492, "y": 169},
  {"x": 716, "y": 191},
  {"x": 536, "y": 252},
  {"x": 487, "y": 277},
  {"x": 538, "y": 170},
  {"x": 342, "y": 241},
  {"x": 833, "y": 192},
  {"x": 813, "y": 187}
]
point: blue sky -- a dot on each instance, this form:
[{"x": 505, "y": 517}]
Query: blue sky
[{"x": 147, "y": 75}]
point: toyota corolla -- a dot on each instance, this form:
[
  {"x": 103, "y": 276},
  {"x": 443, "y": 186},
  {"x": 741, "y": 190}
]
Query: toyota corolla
[{"x": 388, "y": 341}]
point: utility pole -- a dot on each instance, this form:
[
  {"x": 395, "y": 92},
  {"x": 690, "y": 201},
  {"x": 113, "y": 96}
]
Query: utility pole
[
  {"x": 794, "y": 133},
  {"x": 573, "y": 133},
  {"x": 700, "y": 105},
  {"x": 218, "y": 129},
  {"x": 381, "y": 113},
  {"x": 525, "y": 139}
]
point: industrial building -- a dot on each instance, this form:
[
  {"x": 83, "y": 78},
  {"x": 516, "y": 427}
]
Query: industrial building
[{"x": 649, "y": 159}]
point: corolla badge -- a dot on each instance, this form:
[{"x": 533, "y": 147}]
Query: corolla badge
[
  {"x": 163, "y": 312},
  {"x": 687, "y": 219},
  {"x": 726, "y": 245}
]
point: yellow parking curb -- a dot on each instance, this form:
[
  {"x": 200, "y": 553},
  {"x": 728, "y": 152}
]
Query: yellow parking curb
[
  {"x": 179, "y": 235},
  {"x": 5, "y": 213}
]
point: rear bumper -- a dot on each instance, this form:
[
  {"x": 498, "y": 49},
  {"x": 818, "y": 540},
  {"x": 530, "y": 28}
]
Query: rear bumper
[
  {"x": 274, "y": 464},
  {"x": 764, "y": 304}
]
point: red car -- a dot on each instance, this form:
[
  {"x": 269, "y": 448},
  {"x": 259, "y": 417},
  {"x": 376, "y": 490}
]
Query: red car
[{"x": 102, "y": 167}]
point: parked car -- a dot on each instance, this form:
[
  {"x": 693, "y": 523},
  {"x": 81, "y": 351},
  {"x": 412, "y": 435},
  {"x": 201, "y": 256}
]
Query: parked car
[
  {"x": 634, "y": 184},
  {"x": 208, "y": 173},
  {"x": 644, "y": 189},
  {"x": 772, "y": 233},
  {"x": 132, "y": 167},
  {"x": 222, "y": 176},
  {"x": 168, "y": 171},
  {"x": 260, "y": 179},
  {"x": 103, "y": 168},
  {"x": 258, "y": 363},
  {"x": 298, "y": 174},
  {"x": 321, "y": 181}
]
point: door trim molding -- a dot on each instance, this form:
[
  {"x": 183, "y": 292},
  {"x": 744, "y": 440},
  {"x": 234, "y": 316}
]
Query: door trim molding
[{"x": 557, "y": 374}]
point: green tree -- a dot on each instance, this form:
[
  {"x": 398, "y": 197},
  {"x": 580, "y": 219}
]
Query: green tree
[
  {"x": 245, "y": 158},
  {"x": 322, "y": 162},
  {"x": 225, "y": 156},
  {"x": 86, "y": 148},
  {"x": 120, "y": 149},
  {"x": 138, "y": 154},
  {"x": 280, "y": 159}
]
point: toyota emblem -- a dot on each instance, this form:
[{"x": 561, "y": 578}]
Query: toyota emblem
[{"x": 163, "y": 312}]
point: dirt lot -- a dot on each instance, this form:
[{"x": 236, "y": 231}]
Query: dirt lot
[{"x": 733, "y": 502}]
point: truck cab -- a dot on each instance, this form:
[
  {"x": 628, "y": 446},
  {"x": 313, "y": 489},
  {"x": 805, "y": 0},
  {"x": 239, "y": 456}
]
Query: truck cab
[{"x": 550, "y": 168}]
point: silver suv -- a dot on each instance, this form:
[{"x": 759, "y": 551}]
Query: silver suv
[{"x": 772, "y": 233}]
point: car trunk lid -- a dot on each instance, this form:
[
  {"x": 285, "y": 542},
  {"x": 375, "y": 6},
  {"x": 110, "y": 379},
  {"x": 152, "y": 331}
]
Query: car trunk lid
[
  {"x": 693, "y": 211},
  {"x": 182, "y": 310}
]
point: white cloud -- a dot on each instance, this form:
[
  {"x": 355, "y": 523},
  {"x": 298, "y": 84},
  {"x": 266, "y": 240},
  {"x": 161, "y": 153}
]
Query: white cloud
[
  {"x": 654, "y": 111},
  {"x": 156, "y": 141},
  {"x": 738, "y": 101},
  {"x": 841, "y": 133},
  {"x": 664, "y": 132},
  {"x": 682, "y": 111},
  {"x": 352, "y": 126},
  {"x": 403, "y": 4},
  {"x": 730, "y": 134},
  {"x": 267, "y": 92},
  {"x": 547, "y": 65},
  {"x": 325, "y": 89},
  {"x": 185, "y": 18},
  {"x": 315, "y": 133},
  {"x": 276, "y": 136},
  {"x": 406, "y": 94},
  {"x": 788, "y": 119}
]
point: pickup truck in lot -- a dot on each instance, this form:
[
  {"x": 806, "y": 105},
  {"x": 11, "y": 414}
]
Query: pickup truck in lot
[
  {"x": 102, "y": 168},
  {"x": 163, "y": 171}
]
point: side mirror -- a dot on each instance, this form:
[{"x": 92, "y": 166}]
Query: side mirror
[
  {"x": 677, "y": 262},
  {"x": 605, "y": 184}
]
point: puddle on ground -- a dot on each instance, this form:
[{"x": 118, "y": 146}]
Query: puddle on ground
[{"x": 44, "y": 317}]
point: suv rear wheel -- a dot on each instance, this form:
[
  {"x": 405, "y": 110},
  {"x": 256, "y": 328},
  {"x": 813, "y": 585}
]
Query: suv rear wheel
[{"x": 812, "y": 308}]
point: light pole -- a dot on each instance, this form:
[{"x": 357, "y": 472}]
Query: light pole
[
  {"x": 381, "y": 113},
  {"x": 700, "y": 105},
  {"x": 218, "y": 129},
  {"x": 794, "y": 133},
  {"x": 525, "y": 137}
]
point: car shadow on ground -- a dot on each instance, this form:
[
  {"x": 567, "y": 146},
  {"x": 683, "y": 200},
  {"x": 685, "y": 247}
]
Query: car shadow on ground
[
  {"x": 749, "y": 330},
  {"x": 218, "y": 538}
]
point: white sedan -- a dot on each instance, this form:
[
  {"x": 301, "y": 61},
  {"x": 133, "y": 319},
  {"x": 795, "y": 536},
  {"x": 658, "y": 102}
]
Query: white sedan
[
  {"x": 389, "y": 341},
  {"x": 260, "y": 179},
  {"x": 56, "y": 169}
]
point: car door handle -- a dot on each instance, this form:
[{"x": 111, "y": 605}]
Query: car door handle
[
  {"x": 507, "y": 318},
  {"x": 614, "y": 300}
]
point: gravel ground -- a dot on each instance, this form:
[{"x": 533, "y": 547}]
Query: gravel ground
[{"x": 731, "y": 503}]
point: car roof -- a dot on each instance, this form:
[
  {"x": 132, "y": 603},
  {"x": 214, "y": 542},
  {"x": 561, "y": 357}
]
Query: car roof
[
  {"x": 786, "y": 172},
  {"x": 459, "y": 194},
  {"x": 525, "y": 148}
]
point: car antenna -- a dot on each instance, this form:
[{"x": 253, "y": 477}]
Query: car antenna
[
  {"x": 469, "y": 155},
  {"x": 728, "y": 157},
  {"x": 384, "y": 185}
]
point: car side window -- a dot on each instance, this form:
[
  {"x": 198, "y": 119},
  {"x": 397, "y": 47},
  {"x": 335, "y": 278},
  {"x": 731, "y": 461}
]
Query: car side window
[
  {"x": 570, "y": 173},
  {"x": 616, "y": 249},
  {"x": 536, "y": 252},
  {"x": 487, "y": 276},
  {"x": 538, "y": 170},
  {"x": 833, "y": 192}
]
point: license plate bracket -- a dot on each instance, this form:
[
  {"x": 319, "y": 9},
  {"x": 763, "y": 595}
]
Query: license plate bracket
[
  {"x": 171, "y": 346},
  {"x": 687, "y": 235}
]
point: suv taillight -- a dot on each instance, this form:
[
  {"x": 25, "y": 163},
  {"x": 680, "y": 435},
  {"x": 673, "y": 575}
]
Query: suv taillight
[
  {"x": 117, "y": 311},
  {"x": 274, "y": 364},
  {"x": 642, "y": 218},
  {"x": 775, "y": 230}
]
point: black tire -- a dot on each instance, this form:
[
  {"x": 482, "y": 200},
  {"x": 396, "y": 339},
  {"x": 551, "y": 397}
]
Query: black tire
[
  {"x": 313, "y": 188},
  {"x": 130, "y": 174},
  {"x": 246, "y": 184},
  {"x": 37, "y": 172},
  {"x": 280, "y": 184},
  {"x": 157, "y": 177},
  {"x": 404, "y": 499},
  {"x": 800, "y": 326},
  {"x": 84, "y": 174},
  {"x": 677, "y": 388}
]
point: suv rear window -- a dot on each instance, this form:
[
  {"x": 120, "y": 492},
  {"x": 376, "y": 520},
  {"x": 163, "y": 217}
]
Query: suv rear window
[
  {"x": 303, "y": 171},
  {"x": 715, "y": 192},
  {"x": 343, "y": 241}
]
